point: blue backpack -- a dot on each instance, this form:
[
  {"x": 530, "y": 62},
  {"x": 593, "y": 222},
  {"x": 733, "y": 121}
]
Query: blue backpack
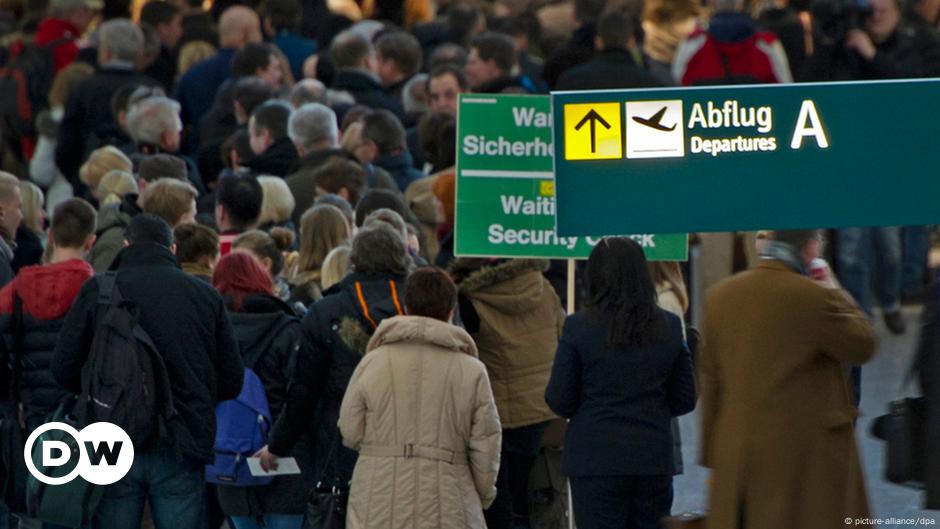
[{"x": 243, "y": 425}]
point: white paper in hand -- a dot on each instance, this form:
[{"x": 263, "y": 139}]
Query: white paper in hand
[{"x": 285, "y": 466}]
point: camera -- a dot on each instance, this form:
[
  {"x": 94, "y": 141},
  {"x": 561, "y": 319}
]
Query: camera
[{"x": 834, "y": 18}]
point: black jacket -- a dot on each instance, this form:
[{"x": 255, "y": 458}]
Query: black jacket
[
  {"x": 620, "y": 401},
  {"x": 907, "y": 54},
  {"x": 28, "y": 250},
  {"x": 335, "y": 334},
  {"x": 268, "y": 331},
  {"x": 88, "y": 116},
  {"x": 928, "y": 370},
  {"x": 190, "y": 328},
  {"x": 578, "y": 50},
  {"x": 401, "y": 167},
  {"x": 367, "y": 91},
  {"x": 276, "y": 160},
  {"x": 609, "y": 69}
]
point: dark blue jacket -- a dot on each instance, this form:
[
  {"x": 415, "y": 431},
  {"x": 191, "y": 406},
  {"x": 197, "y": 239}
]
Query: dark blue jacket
[
  {"x": 620, "y": 401},
  {"x": 197, "y": 88},
  {"x": 402, "y": 168}
]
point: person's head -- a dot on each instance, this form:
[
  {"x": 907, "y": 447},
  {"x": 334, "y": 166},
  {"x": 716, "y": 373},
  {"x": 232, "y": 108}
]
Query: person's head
[
  {"x": 670, "y": 274},
  {"x": 119, "y": 40},
  {"x": 307, "y": 91},
  {"x": 444, "y": 189},
  {"x": 101, "y": 161},
  {"x": 193, "y": 53},
  {"x": 448, "y": 54},
  {"x": 34, "y": 215},
  {"x": 73, "y": 226},
  {"x": 236, "y": 150},
  {"x": 281, "y": 15},
  {"x": 926, "y": 10},
  {"x": 268, "y": 248},
  {"x": 335, "y": 266},
  {"x": 322, "y": 228},
  {"x": 726, "y": 6},
  {"x": 351, "y": 50},
  {"x": 114, "y": 186},
  {"x": 437, "y": 133},
  {"x": 312, "y": 127},
  {"x": 166, "y": 20},
  {"x": 196, "y": 244},
  {"x": 341, "y": 204},
  {"x": 156, "y": 121},
  {"x": 238, "y": 275},
  {"x": 81, "y": 13},
  {"x": 615, "y": 30},
  {"x": 431, "y": 293},
  {"x": 147, "y": 228},
  {"x": 66, "y": 80},
  {"x": 341, "y": 177},
  {"x": 379, "y": 250},
  {"x": 398, "y": 57},
  {"x": 260, "y": 60},
  {"x": 377, "y": 199},
  {"x": 278, "y": 203},
  {"x": 238, "y": 26},
  {"x": 248, "y": 94},
  {"x": 492, "y": 56},
  {"x": 621, "y": 293},
  {"x": 806, "y": 244},
  {"x": 884, "y": 20},
  {"x": 127, "y": 96},
  {"x": 11, "y": 204},
  {"x": 158, "y": 166},
  {"x": 588, "y": 11},
  {"x": 382, "y": 133},
  {"x": 268, "y": 124},
  {"x": 444, "y": 85},
  {"x": 465, "y": 20},
  {"x": 238, "y": 203},
  {"x": 389, "y": 218},
  {"x": 414, "y": 95},
  {"x": 172, "y": 200}
]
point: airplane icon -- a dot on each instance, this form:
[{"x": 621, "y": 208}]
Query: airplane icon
[{"x": 654, "y": 122}]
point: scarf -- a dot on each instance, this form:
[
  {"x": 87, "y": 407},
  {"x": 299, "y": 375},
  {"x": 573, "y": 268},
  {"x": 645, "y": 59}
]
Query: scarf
[{"x": 785, "y": 253}]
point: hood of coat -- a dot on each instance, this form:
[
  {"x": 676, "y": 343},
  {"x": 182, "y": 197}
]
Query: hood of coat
[
  {"x": 118, "y": 215},
  {"x": 512, "y": 287},
  {"x": 48, "y": 291},
  {"x": 259, "y": 321},
  {"x": 418, "y": 330}
]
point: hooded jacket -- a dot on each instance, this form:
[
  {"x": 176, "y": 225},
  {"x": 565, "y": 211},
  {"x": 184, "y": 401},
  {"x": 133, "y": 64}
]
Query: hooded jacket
[
  {"x": 46, "y": 294},
  {"x": 520, "y": 320},
  {"x": 276, "y": 160},
  {"x": 111, "y": 223},
  {"x": 420, "y": 411},
  {"x": 336, "y": 331},
  {"x": 53, "y": 29}
]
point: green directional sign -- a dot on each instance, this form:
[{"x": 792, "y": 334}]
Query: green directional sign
[
  {"x": 505, "y": 184},
  {"x": 747, "y": 157}
]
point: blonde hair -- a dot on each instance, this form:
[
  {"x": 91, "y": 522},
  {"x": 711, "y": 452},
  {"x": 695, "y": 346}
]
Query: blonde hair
[
  {"x": 335, "y": 266},
  {"x": 352, "y": 136},
  {"x": 322, "y": 228},
  {"x": 114, "y": 185},
  {"x": 277, "y": 203},
  {"x": 66, "y": 80},
  {"x": 668, "y": 272},
  {"x": 100, "y": 162},
  {"x": 8, "y": 186},
  {"x": 169, "y": 199},
  {"x": 192, "y": 54},
  {"x": 32, "y": 206}
]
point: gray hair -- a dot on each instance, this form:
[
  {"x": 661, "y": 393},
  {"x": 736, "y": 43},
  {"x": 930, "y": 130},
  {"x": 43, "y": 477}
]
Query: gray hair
[
  {"x": 410, "y": 100},
  {"x": 390, "y": 218},
  {"x": 311, "y": 124},
  {"x": 122, "y": 38},
  {"x": 379, "y": 250},
  {"x": 308, "y": 91},
  {"x": 149, "y": 118}
]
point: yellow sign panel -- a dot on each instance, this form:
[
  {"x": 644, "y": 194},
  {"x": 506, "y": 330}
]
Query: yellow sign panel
[{"x": 593, "y": 131}]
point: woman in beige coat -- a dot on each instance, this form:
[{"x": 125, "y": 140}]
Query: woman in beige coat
[{"x": 420, "y": 411}]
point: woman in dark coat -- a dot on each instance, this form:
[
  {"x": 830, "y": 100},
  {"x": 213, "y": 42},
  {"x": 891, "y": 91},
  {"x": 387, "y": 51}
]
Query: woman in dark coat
[
  {"x": 622, "y": 371},
  {"x": 268, "y": 335}
]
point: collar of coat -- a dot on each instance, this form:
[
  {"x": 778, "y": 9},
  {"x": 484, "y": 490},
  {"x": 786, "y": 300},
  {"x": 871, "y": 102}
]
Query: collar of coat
[
  {"x": 472, "y": 278},
  {"x": 418, "y": 330}
]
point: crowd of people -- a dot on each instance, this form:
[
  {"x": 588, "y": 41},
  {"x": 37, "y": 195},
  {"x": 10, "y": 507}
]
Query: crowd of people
[{"x": 272, "y": 187}]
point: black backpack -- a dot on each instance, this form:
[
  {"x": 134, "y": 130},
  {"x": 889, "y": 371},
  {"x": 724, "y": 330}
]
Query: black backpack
[
  {"x": 124, "y": 380},
  {"x": 25, "y": 83}
]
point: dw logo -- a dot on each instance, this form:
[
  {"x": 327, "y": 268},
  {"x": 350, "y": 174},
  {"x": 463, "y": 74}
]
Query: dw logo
[{"x": 103, "y": 450}]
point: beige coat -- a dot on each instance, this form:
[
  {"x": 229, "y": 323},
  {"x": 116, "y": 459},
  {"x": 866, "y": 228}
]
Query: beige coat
[
  {"x": 776, "y": 408},
  {"x": 420, "y": 411}
]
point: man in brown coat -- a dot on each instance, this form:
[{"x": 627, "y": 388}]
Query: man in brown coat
[{"x": 777, "y": 415}]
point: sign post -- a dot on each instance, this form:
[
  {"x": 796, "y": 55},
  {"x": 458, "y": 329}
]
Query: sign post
[{"x": 737, "y": 158}]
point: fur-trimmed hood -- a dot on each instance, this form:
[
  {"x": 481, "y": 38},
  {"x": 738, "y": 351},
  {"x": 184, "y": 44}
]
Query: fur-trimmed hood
[
  {"x": 512, "y": 286},
  {"x": 407, "y": 330}
]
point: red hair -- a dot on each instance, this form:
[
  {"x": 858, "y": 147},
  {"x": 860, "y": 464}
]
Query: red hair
[{"x": 239, "y": 274}]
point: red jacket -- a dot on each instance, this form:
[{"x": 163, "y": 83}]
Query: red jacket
[
  {"x": 703, "y": 59},
  {"x": 51, "y": 29},
  {"x": 47, "y": 291}
]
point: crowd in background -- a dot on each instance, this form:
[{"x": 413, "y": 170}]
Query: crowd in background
[{"x": 274, "y": 184}]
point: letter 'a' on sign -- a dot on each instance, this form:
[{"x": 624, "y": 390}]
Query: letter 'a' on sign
[{"x": 592, "y": 131}]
